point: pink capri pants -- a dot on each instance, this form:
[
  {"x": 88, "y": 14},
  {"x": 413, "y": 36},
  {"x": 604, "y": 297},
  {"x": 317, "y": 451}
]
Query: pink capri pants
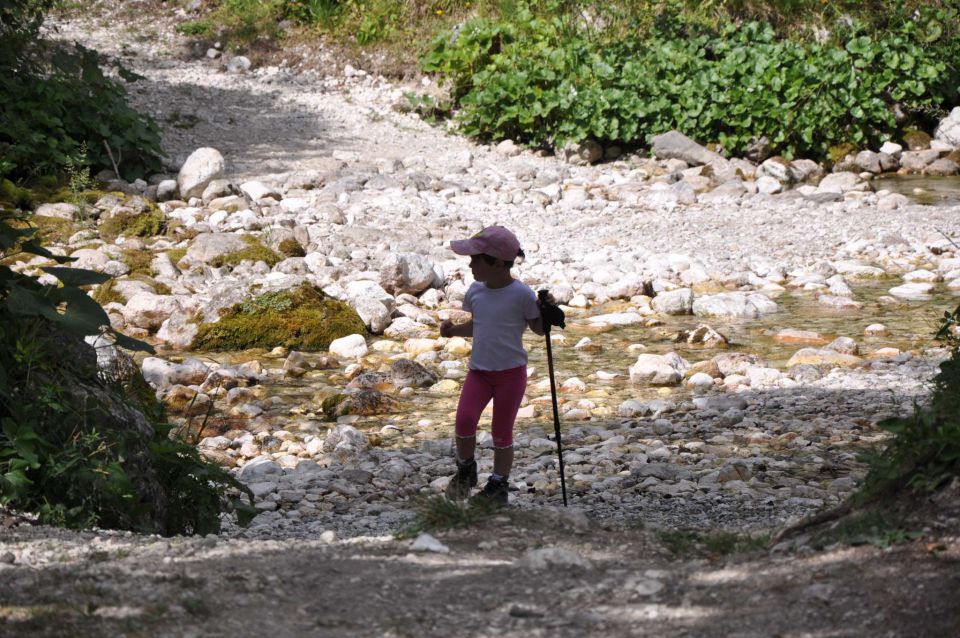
[{"x": 506, "y": 388}]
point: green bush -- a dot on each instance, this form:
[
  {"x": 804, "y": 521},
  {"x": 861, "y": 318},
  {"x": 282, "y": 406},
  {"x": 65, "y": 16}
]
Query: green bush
[
  {"x": 58, "y": 109},
  {"x": 78, "y": 448},
  {"x": 924, "y": 452},
  {"x": 300, "y": 319},
  {"x": 545, "y": 77}
]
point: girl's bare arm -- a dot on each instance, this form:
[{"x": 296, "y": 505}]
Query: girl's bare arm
[
  {"x": 536, "y": 325},
  {"x": 450, "y": 329}
]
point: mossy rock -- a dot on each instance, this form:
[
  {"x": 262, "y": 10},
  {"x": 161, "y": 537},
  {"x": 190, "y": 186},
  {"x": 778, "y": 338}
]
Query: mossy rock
[
  {"x": 363, "y": 403},
  {"x": 13, "y": 196},
  {"x": 836, "y": 153},
  {"x": 299, "y": 319},
  {"x": 139, "y": 261},
  {"x": 131, "y": 224},
  {"x": 953, "y": 156},
  {"x": 916, "y": 140},
  {"x": 330, "y": 405},
  {"x": 291, "y": 248},
  {"x": 54, "y": 230},
  {"x": 255, "y": 251}
]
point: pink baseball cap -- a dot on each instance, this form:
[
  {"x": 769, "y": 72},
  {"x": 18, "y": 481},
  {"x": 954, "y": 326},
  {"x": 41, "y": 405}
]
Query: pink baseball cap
[{"x": 495, "y": 241}]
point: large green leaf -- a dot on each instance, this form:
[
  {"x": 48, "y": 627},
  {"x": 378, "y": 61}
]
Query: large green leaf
[
  {"x": 31, "y": 302},
  {"x": 82, "y": 315},
  {"x": 77, "y": 276},
  {"x": 130, "y": 343}
]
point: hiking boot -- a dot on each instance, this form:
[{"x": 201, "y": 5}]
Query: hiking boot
[
  {"x": 465, "y": 478},
  {"x": 494, "y": 492}
]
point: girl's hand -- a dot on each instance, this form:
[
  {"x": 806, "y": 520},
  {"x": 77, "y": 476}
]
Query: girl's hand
[
  {"x": 550, "y": 299},
  {"x": 446, "y": 329}
]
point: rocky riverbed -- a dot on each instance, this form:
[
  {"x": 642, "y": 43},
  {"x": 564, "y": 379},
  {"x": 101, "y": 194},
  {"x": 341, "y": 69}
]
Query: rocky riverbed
[
  {"x": 733, "y": 342},
  {"x": 693, "y": 389}
]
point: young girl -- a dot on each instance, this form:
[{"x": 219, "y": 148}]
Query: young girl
[{"x": 501, "y": 308}]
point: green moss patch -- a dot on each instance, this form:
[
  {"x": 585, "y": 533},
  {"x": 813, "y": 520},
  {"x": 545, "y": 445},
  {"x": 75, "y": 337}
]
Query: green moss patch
[
  {"x": 176, "y": 254},
  {"x": 139, "y": 261},
  {"x": 255, "y": 251},
  {"x": 836, "y": 153},
  {"x": 301, "y": 319},
  {"x": 129, "y": 224},
  {"x": 12, "y": 196},
  {"x": 54, "y": 230},
  {"x": 291, "y": 248},
  {"x": 107, "y": 293}
]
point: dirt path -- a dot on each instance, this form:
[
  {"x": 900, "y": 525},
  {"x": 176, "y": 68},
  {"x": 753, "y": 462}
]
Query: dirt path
[{"x": 515, "y": 575}]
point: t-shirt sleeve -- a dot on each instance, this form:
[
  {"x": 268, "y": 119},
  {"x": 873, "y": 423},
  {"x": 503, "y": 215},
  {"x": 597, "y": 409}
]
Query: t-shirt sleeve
[
  {"x": 467, "y": 304},
  {"x": 530, "y": 308}
]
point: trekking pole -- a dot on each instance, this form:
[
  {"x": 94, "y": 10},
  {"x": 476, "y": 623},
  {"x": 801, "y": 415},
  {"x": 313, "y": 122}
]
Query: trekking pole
[{"x": 552, "y": 315}]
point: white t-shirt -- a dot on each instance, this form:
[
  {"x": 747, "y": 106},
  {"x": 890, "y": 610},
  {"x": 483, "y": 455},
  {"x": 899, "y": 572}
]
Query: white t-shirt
[{"x": 499, "y": 318}]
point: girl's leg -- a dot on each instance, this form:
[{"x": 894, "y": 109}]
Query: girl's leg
[
  {"x": 503, "y": 460},
  {"x": 474, "y": 397},
  {"x": 508, "y": 392}
]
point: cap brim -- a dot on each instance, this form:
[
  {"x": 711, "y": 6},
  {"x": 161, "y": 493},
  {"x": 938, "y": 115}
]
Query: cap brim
[{"x": 465, "y": 247}]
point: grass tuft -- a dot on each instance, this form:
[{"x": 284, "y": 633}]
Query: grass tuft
[{"x": 440, "y": 513}]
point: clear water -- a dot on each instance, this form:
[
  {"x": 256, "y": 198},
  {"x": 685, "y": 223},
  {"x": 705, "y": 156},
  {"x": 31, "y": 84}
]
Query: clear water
[
  {"x": 922, "y": 189},
  {"x": 430, "y": 414}
]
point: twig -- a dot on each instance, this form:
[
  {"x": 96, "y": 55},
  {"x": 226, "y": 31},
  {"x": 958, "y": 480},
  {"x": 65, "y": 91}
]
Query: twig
[
  {"x": 116, "y": 171},
  {"x": 945, "y": 236}
]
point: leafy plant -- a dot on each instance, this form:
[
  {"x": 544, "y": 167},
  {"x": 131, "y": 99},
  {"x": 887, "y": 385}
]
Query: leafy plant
[
  {"x": 924, "y": 452},
  {"x": 545, "y": 77},
  {"x": 427, "y": 107},
  {"x": 53, "y": 99},
  {"x": 81, "y": 447}
]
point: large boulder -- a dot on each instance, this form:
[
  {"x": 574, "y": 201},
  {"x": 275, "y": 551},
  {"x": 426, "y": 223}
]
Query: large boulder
[
  {"x": 374, "y": 304},
  {"x": 843, "y": 182},
  {"x": 407, "y": 273},
  {"x": 949, "y": 128},
  {"x": 655, "y": 369},
  {"x": 676, "y": 145},
  {"x": 734, "y": 304},
  {"x": 674, "y": 302},
  {"x": 780, "y": 169},
  {"x": 202, "y": 167},
  {"x": 148, "y": 311},
  {"x": 208, "y": 247}
]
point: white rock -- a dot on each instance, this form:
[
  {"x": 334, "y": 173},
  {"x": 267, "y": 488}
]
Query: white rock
[
  {"x": 202, "y": 167},
  {"x": 258, "y": 468},
  {"x": 657, "y": 369},
  {"x": 349, "y": 347},
  {"x": 767, "y": 185},
  {"x": 734, "y": 304},
  {"x": 912, "y": 291},
  {"x": 427, "y": 543},
  {"x": 949, "y": 128},
  {"x": 546, "y": 557}
]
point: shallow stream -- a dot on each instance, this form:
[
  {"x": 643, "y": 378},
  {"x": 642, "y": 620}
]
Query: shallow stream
[
  {"x": 922, "y": 189},
  {"x": 428, "y": 414}
]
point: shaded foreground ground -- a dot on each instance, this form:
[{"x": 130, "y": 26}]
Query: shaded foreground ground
[{"x": 596, "y": 582}]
